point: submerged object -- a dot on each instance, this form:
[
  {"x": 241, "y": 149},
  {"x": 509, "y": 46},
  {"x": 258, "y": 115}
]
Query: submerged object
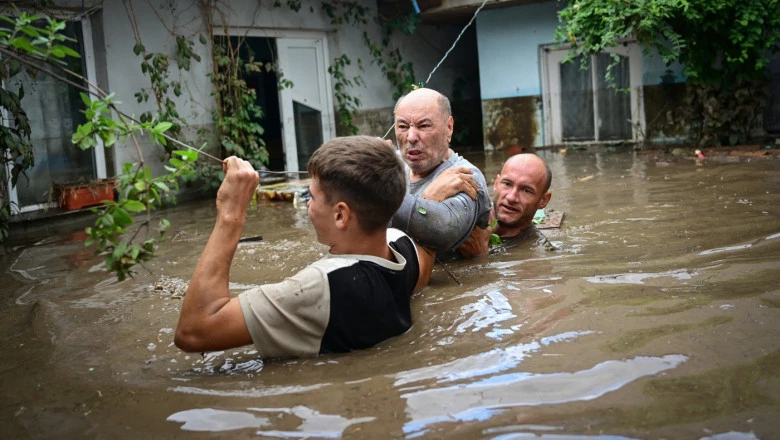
[{"x": 285, "y": 191}]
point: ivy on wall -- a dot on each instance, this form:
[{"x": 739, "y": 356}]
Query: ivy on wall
[
  {"x": 124, "y": 243},
  {"x": 724, "y": 47}
]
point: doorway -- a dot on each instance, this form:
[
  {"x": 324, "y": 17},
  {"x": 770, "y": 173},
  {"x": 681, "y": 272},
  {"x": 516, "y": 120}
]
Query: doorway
[{"x": 296, "y": 98}]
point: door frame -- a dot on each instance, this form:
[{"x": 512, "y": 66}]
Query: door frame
[
  {"x": 288, "y": 132},
  {"x": 550, "y": 57},
  {"x": 98, "y": 152}
]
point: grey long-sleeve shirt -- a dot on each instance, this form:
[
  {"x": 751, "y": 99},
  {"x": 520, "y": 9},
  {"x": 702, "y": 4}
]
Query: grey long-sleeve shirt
[{"x": 443, "y": 225}]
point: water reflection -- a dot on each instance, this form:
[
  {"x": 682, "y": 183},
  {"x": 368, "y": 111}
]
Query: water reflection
[
  {"x": 311, "y": 422},
  {"x": 480, "y": 399},
  {"x": 652, "y": 320}
]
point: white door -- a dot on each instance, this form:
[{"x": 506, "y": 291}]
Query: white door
[
  {"x": 581, "y": 107},
  {"x": 307, "y": 110}
]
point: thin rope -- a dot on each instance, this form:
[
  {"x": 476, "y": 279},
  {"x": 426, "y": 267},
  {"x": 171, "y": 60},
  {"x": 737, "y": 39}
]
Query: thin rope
[
  {"x": 484, "y": 2},
  {"x": 446, "y": 54}
]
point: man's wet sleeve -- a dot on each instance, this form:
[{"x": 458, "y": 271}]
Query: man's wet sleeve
[{"x": 440, "y": 225}]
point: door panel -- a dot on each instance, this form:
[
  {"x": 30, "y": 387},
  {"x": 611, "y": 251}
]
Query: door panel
[
  {"x": 613, "y": 104},
  {"x": 576, "y": 101},
  {"x": 307, "y": 111}
]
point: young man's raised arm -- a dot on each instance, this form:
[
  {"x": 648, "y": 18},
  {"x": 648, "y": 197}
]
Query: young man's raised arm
[{"x": 210, "y": 319}]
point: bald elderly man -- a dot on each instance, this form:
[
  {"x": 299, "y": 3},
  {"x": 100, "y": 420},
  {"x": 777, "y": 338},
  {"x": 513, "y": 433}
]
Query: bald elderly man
[
  {"x": 447, "y": 196},
  {"x": 521, "y": 188}
]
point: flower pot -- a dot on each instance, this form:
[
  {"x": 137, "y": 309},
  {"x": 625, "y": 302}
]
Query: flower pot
[{"x": 79, "y": 195}]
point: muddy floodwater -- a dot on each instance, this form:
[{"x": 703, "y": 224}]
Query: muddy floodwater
[{"x": 657, "y": 317}]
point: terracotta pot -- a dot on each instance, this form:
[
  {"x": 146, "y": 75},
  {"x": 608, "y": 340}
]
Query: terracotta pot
[{"x": 80, "y": 195}]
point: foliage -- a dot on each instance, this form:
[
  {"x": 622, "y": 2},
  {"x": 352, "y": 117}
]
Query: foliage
[
  {"x": 139, "y": 192},
  {"x": 43, "y": 41},
  {"x": 5, "y": 216},
  {"x": 157, "y": 65},
  {"x": 346, "y": 103},
  {"x": 723, "y": 45},
  {"x": 237, "y": 112},
  {"x": 390, "y": 61},
  {"x": 494, "y": 239}
]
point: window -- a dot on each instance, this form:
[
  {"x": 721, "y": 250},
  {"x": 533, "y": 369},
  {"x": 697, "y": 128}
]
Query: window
[
  {"x": 54, "y": 110},
  {"x": 580, "y": 106}
]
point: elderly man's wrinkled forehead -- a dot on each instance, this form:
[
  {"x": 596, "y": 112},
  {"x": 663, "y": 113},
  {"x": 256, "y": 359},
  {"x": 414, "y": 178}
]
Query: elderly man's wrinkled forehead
[{"x": 425, "y": 96}]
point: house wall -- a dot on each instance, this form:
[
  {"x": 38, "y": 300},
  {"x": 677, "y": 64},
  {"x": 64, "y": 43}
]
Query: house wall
[
  {"x": 509, "y": 43},
  {"x": 120, "y": 71}
]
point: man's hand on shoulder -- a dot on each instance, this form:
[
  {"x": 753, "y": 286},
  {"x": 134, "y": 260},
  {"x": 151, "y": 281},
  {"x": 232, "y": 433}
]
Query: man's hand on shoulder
[{"x": 451, "y": 182}]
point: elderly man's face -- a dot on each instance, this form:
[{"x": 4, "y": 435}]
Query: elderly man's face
[
  {"x": 423, "y": 132},
  {"x": 519, "y": 191}
]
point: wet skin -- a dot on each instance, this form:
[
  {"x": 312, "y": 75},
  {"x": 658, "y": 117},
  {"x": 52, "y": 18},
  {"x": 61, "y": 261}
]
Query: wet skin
[
  {"x": 423, "y": 132},
  {"x": 519, "y": 191}
]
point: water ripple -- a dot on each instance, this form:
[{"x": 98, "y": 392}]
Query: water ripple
[
  {"x": 312, "y": 423},
  {"x": 254, "y": 392},
  {"x": 481, "y": 364},
  {"x": 460, "y": 402},
  {"x": 639, "y": 278}
]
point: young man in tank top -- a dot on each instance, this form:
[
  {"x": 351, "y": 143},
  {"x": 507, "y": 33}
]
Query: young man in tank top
[{"x": 354, "y": 298}]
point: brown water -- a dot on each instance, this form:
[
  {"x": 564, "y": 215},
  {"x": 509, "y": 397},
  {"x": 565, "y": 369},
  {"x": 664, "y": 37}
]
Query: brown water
[{"x": 656, "y": 318}]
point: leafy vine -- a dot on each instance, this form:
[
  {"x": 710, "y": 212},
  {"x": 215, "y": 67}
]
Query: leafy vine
[{"x": 40, "y": 47}]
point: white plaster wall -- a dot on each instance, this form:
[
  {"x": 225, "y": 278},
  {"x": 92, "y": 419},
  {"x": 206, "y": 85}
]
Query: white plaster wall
[
  {"x": 122, "y": 70},
  {"x": 508, "y": 41},
  {"x": 423, "y": 49}
]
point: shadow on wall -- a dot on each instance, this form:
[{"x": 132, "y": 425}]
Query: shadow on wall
[
  {"x": 662, "y": 104},
  {"x": 511, "y": 123},
  {"x": 467, "y": 132}
]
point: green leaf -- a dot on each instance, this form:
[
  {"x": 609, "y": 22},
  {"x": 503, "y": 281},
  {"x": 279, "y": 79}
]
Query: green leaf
[
  {"x": 162, "y": 187},
  {"x": 121, "y": 217},
  {"x": 162, "y": 127},
  {"x": 119, "y": 250},
  {"x": 22, "y": 44},
  {"x": 187, "y": 155},
  {"x": 67, "y": 51},
  {"x": 134, "y": 205}
]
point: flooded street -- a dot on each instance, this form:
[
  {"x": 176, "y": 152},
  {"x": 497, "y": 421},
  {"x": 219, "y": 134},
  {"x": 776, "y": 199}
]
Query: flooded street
[{"x": 657, "y": 317}]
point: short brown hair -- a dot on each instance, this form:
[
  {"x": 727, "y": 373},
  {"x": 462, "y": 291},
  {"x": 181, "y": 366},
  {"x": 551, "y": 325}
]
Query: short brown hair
[{"x": 364, "y": 172}]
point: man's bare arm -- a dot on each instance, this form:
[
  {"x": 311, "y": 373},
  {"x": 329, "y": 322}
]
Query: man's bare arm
[
  {"x": 210, "y": 319},
  {"x": 426, "y": 258}
]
